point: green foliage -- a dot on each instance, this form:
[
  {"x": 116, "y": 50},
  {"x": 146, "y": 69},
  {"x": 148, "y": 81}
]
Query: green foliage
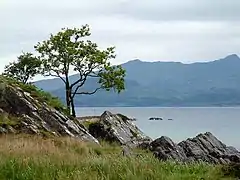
[
  {"x": 25, "y": 68},
  {"x": 68, "y": 50},
  {"x": 112, "y": 77}
]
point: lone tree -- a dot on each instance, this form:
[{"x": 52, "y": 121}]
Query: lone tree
[
  {"x": 25, "y": 68},
  {"x": 69, "y": 51}
]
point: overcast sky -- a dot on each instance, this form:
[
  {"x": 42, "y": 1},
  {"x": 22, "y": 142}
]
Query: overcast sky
[{"x": 163, "y": 30}]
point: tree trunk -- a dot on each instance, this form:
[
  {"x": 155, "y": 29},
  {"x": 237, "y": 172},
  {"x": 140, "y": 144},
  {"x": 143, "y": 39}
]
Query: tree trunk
[
  {"x": 73, "y": 107},
  {"x": 68, "y": 96}
]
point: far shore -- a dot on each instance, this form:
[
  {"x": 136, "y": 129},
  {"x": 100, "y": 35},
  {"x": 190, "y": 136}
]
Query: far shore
[{"x": 183, "y": 107}]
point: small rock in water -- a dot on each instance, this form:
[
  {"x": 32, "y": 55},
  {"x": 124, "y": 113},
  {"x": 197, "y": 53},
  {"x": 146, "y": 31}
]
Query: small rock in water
[{"x": 155, "y": 118}]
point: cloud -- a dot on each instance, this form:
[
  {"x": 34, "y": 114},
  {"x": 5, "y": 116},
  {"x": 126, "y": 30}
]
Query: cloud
[
  {"x": 187, "y": 10},
  {"x": 172, "y": 30}
]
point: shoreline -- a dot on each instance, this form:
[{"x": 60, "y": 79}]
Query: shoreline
[{"x": 162, "y": 107}]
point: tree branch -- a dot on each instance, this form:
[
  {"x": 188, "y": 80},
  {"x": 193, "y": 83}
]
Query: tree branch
[
  {"x": 78, "y": 81},
  {"x": 26, "y": 78},
  {"x": 80, "y": 85},
  {"x": 85, "y": 74},
  {"x": 89, "y": 93}
]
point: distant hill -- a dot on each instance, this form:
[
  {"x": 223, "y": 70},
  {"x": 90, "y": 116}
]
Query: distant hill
[{"x": 215, "y": 83}]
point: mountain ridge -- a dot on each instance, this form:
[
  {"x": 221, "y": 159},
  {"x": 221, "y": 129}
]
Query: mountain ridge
[{"x": 214, "y": 83}]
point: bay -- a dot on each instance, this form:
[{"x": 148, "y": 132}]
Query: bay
[{"x": 224, "y": 122}]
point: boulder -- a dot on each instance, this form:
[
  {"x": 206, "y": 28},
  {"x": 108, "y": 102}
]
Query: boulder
[
  {"x": 165, "y": 149},
  {"x": 34, "y": 117},
  {"x": 204, "y": 147},
  {"x": 208, "y": 148},
  {"x": 117, "y": 128}
]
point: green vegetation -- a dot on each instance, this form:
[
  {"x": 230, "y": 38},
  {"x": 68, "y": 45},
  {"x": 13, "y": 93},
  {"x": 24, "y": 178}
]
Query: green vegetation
[
  {"x": 232, "y": 170},
  {"x": 7, "y": 120},
  {"x": 87, "y": 121},
  {"x": 34, "y": 158},
  {"x": 25, "y": 68},
  {"x": 87, "y": 124},
  {"x": 67, "y": 50}
]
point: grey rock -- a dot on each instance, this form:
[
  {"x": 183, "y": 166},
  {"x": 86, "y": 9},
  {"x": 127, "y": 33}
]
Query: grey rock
[
  {"x": 164, "y": 148},
  {"x": 204, "y": 147},
  {"x": 126, "y": 151},
  {"x": 118, "y": 128},
  {"x": 37, "y": 117},
  {"x": 231, "y": 150},
  {"x": 145, "y": 145},
  {"x": 3, "y": 130}
]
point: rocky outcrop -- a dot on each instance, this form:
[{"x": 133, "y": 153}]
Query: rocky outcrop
[
  {"x": 204, "y": 147},
  {"x": 118, "y": 128},
  {"x": 164, "y": 148},
  {"x": 28, "y": 115}
]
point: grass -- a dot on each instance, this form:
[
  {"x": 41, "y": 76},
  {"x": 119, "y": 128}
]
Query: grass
[
  {"x": 87, "y": 124},
  {"x": 25, "y": 157}
]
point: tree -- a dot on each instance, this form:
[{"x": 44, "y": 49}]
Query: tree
[
  {"x": 25, "y": 68},
  {"x": 69, "y": 51}
]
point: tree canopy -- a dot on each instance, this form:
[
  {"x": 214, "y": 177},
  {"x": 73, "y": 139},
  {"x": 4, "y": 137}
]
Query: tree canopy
[
  {"x": 25, "y": 68},
  {"x": 68, "y": 52}
]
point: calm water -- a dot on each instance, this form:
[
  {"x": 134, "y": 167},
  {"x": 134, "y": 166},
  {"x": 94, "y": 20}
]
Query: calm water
[{"x": 224, "y": 123}]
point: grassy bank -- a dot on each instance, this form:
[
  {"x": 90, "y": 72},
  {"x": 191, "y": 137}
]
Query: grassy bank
[{"x": 35, "y": 158}]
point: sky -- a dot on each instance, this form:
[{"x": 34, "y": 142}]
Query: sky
[{"x": 153, "y": 30}]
